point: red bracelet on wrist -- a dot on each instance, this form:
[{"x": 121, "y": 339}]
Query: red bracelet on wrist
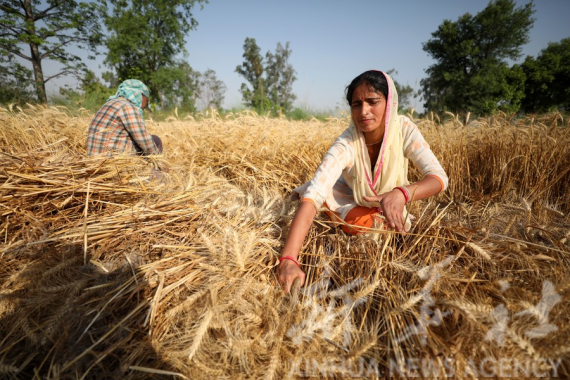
[
  {"x": 290, "y": 258},
  {"x": 405, "y": 192}
]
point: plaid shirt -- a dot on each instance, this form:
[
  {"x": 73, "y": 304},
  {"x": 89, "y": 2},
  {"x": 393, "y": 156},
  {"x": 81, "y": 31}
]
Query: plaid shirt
[{"x": 119, "y": 127}]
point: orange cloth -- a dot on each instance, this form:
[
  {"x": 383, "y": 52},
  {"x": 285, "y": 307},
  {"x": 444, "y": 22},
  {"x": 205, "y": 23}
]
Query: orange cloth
[{"x": 360, "y": 218}]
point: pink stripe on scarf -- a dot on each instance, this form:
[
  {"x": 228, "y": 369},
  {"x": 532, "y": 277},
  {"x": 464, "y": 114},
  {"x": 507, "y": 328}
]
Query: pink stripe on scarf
[
  {"x": 366, "y": 172},
  {"x": 386, "y": 123}
]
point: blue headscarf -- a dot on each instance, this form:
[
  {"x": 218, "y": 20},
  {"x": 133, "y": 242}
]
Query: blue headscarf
[{"x": 132, "y": 90}]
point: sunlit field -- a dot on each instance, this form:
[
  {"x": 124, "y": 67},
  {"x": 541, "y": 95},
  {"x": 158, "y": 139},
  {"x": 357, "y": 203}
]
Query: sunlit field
[{"x": 110, "y": 270}]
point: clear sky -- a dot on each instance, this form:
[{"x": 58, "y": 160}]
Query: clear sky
[{"x": 332, "y": 41}]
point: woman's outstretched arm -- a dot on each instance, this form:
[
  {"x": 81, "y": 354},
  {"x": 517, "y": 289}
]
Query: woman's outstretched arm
[{"x": 288, "y": 271}]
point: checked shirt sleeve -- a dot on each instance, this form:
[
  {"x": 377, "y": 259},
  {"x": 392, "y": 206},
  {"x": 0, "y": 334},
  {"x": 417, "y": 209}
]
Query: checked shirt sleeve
[{"x": 134, "y": 125}]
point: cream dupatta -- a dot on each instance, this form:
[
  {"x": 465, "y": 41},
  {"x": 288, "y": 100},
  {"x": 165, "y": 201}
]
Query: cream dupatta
[{"x": 391, "y": 169}]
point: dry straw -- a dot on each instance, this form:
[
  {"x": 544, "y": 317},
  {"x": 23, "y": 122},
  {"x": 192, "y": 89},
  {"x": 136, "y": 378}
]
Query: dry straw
[{"x": 109, "y": 271}]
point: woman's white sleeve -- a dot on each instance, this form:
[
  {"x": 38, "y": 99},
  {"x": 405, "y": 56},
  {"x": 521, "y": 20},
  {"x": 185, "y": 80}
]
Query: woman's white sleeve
[
  {"x": 334, "y": 162},
  {"x": 417, "y": 150}
]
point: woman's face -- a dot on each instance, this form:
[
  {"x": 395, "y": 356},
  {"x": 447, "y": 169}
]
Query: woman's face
[{"x": 368, "y": 108}]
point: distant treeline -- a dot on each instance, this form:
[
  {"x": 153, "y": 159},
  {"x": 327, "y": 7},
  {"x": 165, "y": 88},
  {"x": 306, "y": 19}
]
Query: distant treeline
[{"x": 145, "y": 40}]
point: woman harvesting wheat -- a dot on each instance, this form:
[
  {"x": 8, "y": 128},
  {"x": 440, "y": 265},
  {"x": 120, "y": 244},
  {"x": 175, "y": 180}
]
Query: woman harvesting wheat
[
  {"x": 118, "y": 127},
  {"x": 345, "y": 183}
]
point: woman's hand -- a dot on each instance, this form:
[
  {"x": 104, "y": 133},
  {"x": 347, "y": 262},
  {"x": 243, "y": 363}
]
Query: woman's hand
[
  {"x": 287, "y": 272},
  {"x": 392, "y": 203},
  {"x": 392, "y": 207}
]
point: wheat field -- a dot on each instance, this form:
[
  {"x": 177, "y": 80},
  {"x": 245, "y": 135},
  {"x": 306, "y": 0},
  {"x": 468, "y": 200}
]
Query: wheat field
[{"x": 110, "y": 270}]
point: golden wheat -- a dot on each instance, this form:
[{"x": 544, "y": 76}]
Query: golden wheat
[{"x": 107, "y": 271}]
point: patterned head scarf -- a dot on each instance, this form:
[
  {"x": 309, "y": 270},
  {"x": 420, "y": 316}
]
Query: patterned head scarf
[
  {"x": 132, "y": 90},
  {"x": 391, "y": 169}
]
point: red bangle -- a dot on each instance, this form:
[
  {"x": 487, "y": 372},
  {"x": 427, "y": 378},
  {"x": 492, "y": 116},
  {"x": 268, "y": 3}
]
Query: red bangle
[
  {"x": 405, "y": 192},
  {"x": 290, "y": 258}
]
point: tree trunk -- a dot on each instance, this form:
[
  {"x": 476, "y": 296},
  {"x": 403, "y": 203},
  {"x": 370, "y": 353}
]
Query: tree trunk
[
  {"x": 38, "y": 74},
  {"x": 35, "y": 54}
]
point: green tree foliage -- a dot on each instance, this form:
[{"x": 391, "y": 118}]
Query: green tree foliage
[
  {"x": 178, "y": 86},
  {"x": 49, "y": 28},
  {"x": 93, "y": 93},
  {"x": 15, "y": 82},
  {"x": 211, "y": 90},
  {"x": 146, "y": 38},
  {"x": 547, "y": 83},
  {"x": 280, "y": 77},
  {"x": 252, "y": 70},
  {"x": 471, "y": 71},
  {"x": 272, "y": 91}
]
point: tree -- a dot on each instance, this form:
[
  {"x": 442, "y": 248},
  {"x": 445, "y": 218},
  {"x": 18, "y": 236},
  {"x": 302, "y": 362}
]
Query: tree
[
  {"x": 146, "y": 38},
  {"x": 272, "y": 91},
  {"x": 252, "y": 70},
  {"x": 280, "y": 78},
  {"x": 211, "y": 90},
  {"x": 178, "y": 86},
  {"x": 15, "y": 82},
  {"x": 93, "y": 92},
  {"x": 547, "y": 82},
  {"x": 471, "y": 72},
  {"x": 48, "y": 32}
]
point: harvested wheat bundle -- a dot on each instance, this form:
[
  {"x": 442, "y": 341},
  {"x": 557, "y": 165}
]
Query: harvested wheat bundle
[{"x": 108, "y": 270}]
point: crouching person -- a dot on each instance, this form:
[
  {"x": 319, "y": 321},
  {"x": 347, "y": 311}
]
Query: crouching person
[{"x": 118, "y": 127}]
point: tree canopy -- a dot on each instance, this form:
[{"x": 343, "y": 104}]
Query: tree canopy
[
  {"x": 547, "y": 82},
  {"x": 471, "y": 71},
  {"x": 252, "y": 70},
  {"x": 94, "y": 92},
  {"x": 146, "y": 41},
  {"x": 15, "y": 82},
  {"x": 272, "y": 91},
  {"x": 211, "y": 90},
  {"x": 280, "y": 78},
  {"x": 48, "y": 28}
]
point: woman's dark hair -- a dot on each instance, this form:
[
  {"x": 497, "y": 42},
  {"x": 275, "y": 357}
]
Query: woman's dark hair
[{"x": 372, "y": 78}]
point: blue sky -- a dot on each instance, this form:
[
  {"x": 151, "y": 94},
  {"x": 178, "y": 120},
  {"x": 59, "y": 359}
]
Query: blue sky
[{"x": 333, "y": 41}]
